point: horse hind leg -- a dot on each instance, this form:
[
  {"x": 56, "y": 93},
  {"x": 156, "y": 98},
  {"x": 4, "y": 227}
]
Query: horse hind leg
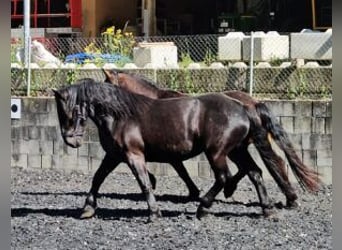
[
  {"x": 220, "y": 168},
  {"x": 183, "y": 173},
  {"x": 137, "y": 164},
  {"x": 153, "y": 180},
  {"x": 246, "y": 165}
]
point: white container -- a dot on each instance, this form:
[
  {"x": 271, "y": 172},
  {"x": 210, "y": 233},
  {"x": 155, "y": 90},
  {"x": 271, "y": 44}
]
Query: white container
[
  {"x": 311, "y": 45},
  {"x": 267, "y": 46},
  {"x": 161, "y": 55},
  {"x": 229, "y": 46}
]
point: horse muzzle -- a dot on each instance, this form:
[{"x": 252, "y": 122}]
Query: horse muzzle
[{"x": 73, "y": 140}]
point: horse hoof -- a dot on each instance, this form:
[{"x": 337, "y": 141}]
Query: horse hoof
[
  {"x": 229, "y": 190},
  {"x": 154, "y": 216},
  {"x": 201, "y": 212},
  {"x": 88, "y": 212},
  {"x": 292, "y": 204},
  {"x": 194, "y": 196},
  {"x": 269, "y": 213}
]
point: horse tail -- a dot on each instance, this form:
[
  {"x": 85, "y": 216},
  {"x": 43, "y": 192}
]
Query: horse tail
[{"x": 307, "y": 177}]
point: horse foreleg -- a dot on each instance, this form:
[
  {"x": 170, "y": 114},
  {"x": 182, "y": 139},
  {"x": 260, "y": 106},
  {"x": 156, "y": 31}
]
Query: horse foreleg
[
  {"x": 153, "y": 180},
  {"x": 220, "y": 168},
  {"x": 181, "y": 171},
  {"x": 138, "y": 166},
  {"x": 108, "y": 164}
]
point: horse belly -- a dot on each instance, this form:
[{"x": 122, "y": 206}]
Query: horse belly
[{"x": 180, "y": 150}]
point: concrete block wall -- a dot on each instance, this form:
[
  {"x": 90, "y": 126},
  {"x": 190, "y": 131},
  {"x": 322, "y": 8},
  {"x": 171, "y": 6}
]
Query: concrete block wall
[{"x": 36, "y": 141}]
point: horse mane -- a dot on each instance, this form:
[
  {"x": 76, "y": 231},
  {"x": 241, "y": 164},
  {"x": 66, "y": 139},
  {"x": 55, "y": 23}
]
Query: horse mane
[
  {"x": 106, "y": 98},
  {"x": 150, "y": 84},
  {"x": 146, "y": 82}
]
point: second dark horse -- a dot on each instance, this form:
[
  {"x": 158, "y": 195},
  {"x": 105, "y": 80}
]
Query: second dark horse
[{"x": 307, "y": 177}]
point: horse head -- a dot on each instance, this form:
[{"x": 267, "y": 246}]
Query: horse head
[{"x": 72, "y": 116}]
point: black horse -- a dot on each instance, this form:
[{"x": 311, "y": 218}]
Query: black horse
[
  {"x": 144, "y": 86},
  {"x": 135, "y": 129}
]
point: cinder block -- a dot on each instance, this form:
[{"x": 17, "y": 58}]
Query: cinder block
[
  {"x": 68, "y": 162},
  {"x": 204, "y": 169},
  {"x": 309, "y": 157},
  {"x": 52, "y": 133},
  {"x": 34, "y": 161},
  {"x": 324, "y": 157},
  {"x": 58, "y": 146},
  {"x": 29, "y": 147},
  {"x": 158, "y": 168},
  {"x": 46, "y": 147},
  {"x": 321, "y": 109},
  {"x": 276, "y": 107},
  {"x": 303, "y": 108},
  {"x": 316, "y": 141},
  {"x": 19, "y": 160},
  {"x": 326, "y": 174},
  {"x": 56, "y": 161},
  {"x": 267, "y": 46},
  {"x": 302, "y": 124},
  {"x": 289, "y": 108},
  {"x": 328, "y": 125},
  {"x": 93, "y": 133},
  {"x": 95, "y": 150},
  {"x": 83, "y": 163},
  {"x": 287, "y": 123},
  {"x": 159, "y": 55},
  {"x": 230, "y": 46},
  {"x": 170, "y": 171},
  {"x": 318, "y": 125},
  {"x": 46, "y": 161},
  {"x": 67, "y": 150},
  {"x": 296, "y": 140},
  {"x": 94, "y": 163},
  {"x": 83, "y": 150},
  {"x": 16, "y": 133},
  {"x": 191, "y": 166},
  {"x": 51, "y": 106},
  {"x": 320, "y": 45}
]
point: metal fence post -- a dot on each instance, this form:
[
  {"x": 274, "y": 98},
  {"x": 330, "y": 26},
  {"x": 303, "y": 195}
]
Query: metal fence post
[
  {"x": 251, "y": 65},
  {"x": 27, "y": 43}
]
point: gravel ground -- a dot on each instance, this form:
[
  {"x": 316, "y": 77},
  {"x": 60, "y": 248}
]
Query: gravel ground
[{"x": 46, "y": 205}]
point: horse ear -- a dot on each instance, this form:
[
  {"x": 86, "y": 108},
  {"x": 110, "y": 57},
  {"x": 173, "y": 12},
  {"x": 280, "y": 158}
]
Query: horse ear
[
  {"x": 109, "y": 76},
  {"x": 57, "y": 94}
]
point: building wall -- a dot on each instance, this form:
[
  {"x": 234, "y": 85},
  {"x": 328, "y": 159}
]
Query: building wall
[
  {"x": 95, "y": 13},
  {"x": 36, "y": 141}
]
